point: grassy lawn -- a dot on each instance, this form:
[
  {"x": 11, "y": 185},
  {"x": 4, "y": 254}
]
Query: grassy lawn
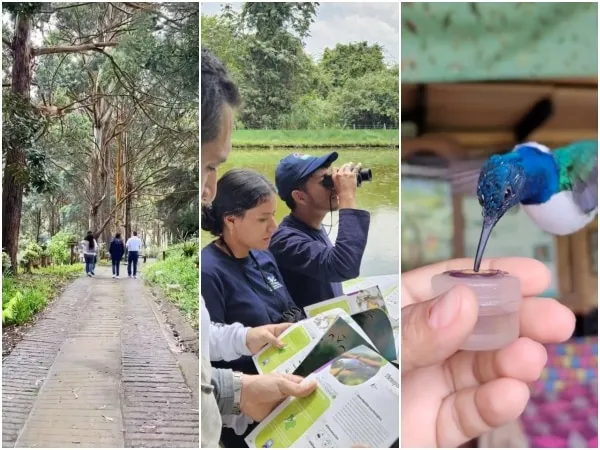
[
  {"x": 25, "y": 295},
  {"x": 177, "y": 276},
  {"x": 314, "y": 138}
]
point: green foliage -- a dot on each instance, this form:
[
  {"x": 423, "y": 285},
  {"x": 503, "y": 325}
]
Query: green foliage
[
  {"x": 21, "y": 128},
  {"x": 6, "y": 266},
  {"x": 270, "y": 19},
  {"x": 370, "y": 99},
  {"x": 26, "y": 8},
  {"x": 181, "y": 272},
  {"x": 179, "y": 209},
  {"x": 25, "y": 295},
  {"x": 59, "y": 248},
  {"x": 146, "y": 87},
  {"x": 312, "y": 112},
  {"x": 283, "y": 88},
  {"x": 33, "y": 251},
  {"x": 190, "y": 248},
  {"x": 311, "y": 138},
  {"x": 352, "y": 61},
  {"x": 187, "y": 248},
  {"x": 219, "y": 34}
]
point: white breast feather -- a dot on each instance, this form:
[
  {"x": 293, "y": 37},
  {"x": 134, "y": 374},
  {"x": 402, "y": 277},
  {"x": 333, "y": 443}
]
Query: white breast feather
[{"x": 560, "y": 215}]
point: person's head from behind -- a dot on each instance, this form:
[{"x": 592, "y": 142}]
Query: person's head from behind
[
  {"x": 118, "y": 236},
  {"x": 299, "y": 181},
  {"x": 243, "y": 210},
  {"x": 90, "y": 238},
  {"x": 220, "y": 96},
  {"x": 135, "y": 233}
]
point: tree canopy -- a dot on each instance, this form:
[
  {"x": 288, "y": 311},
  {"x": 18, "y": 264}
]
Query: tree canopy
[
  {"x": 262, "y": 46},
  {"x": 100, "y": 130}
]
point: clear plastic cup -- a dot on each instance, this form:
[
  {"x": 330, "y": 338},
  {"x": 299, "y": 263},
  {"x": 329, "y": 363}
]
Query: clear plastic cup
[{"x": 499, "y": 295}]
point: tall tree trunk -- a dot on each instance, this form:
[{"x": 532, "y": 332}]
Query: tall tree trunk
[
  {"x": 13, "y": 183},
  {"x": 52, "y": 218},
  {"x": 128, "y": 206},
  {"x": 38, "y": 225},
  {"x": 99, "y": 175},
  {"x": 101, "y": 159},
  {"x": 128, "y": 187},
  {"x": 95, "y": 188},
  {"x": 107, "y": 204}
]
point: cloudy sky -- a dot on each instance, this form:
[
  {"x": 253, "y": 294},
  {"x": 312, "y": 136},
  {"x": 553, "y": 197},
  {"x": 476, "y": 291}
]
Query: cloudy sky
[{"x": 346, "y": 22}]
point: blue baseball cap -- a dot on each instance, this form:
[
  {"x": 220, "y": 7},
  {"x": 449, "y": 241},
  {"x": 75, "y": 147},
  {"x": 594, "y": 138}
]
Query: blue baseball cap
[{"x": 297, "y": 166}]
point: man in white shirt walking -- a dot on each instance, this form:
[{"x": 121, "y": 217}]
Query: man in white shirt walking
[{"x": 134, "y": 245}]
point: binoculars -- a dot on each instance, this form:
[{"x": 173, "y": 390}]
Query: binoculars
[{"x": 362, "y": 175}]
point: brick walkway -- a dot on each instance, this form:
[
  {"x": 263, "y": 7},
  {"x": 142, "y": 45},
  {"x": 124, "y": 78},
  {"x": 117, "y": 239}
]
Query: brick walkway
[{"x": 96, "y": 371}]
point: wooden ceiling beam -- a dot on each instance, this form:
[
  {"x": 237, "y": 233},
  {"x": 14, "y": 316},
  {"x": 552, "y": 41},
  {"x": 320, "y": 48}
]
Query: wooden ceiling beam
[{"x": 497, "y": 140}]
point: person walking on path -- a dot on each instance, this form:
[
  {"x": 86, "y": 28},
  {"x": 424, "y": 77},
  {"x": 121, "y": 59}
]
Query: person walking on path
[
  {"x": 133, "y": 244},
  {"x": 90, "y": 247},
  {"x": 116, "y": 250}
]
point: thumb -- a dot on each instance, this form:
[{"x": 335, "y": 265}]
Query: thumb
[
  {"x": 280, "y": 328},
  {"x": 296, "y": 389},
  {"x": 269, "y": 335},
  {"x": 434, "y": 330}
]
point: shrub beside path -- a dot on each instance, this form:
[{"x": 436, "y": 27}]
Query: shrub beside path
[{"x": 97, "y": 371}]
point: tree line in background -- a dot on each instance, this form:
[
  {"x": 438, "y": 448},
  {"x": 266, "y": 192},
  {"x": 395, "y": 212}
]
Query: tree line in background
[
  {"x": 100, "y": 121},
  {"x": 262, "y": 45}
]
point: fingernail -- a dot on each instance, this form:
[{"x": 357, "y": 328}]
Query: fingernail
[{"x": 444, "y": 310}]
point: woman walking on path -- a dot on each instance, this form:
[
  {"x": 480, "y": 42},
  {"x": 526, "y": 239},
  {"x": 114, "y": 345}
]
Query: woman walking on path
[
  {"x": 90, "y": 246},
  {"x": 116, "y": 250}
]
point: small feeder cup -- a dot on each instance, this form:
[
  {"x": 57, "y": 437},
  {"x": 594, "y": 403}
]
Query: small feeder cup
[{"x": 499, "y": 296}]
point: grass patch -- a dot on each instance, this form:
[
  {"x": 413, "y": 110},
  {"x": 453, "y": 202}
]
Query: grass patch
[
  {"x": 25, "y": 295},
  {"x": 181, "y": 271},
  {"x": 314, "y": 138}
]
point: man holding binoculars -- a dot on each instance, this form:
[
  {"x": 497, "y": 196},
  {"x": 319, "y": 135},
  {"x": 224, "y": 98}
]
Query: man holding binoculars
[{"x": 312, "y": 267}]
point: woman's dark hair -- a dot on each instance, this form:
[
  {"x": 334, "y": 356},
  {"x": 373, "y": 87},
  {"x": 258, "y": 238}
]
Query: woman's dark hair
[
  {"x": 238, "y": 190},
  {"x": 217, "y": 89},
  {"x": 118, "y": 236},
  {"x": 90, "y": 238}
]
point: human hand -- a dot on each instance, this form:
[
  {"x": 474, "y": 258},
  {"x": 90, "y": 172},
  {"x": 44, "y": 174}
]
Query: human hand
[
  {"x": 262, "y": 393},
  {"x": 344, "y": 183},
  {"x": 450, "y": 397},
  {"x": 258, "y": 337}
]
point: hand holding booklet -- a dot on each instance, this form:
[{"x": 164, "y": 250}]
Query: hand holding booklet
[
  {"x": 351, "y": 405},
  {"x": 346, "y": 345}
]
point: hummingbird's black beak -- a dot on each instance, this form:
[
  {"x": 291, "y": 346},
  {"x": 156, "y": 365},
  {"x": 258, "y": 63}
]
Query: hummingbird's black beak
[{"x": 486, "y": 231}]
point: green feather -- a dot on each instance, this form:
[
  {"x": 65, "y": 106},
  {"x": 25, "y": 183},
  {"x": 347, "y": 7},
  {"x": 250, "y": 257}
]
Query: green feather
[{"x": 576, "y": 162}]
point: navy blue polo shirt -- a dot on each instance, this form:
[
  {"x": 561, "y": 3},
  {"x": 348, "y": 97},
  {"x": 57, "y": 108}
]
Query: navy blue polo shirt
[
  {"x": 313, "y": 268},
  {"x": 235, "y": 290}
]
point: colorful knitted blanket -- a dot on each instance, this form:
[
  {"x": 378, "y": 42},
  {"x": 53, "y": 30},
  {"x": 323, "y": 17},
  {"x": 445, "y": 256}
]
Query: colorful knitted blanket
[{"x": 563, "y": 410}]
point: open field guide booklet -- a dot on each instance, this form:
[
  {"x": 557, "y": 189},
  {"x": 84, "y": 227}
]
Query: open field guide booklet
[
  {"x": 356, "y": 403},
  {"x": 389, "y": 285},
  {"x": 371, "y": 328}
]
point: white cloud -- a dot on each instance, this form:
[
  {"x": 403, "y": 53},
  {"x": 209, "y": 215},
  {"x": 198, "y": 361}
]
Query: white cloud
[{"x": 376, "y": 23}]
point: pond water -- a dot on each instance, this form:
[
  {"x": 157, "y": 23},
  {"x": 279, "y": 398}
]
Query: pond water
[{"x": 380, "y": 197}]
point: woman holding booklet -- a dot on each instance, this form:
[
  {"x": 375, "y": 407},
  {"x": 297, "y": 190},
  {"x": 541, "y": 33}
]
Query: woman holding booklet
[{"x": 241, "y": 282}]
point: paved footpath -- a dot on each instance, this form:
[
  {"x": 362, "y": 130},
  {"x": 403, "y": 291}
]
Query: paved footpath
[{"x": 97, "y": 371}]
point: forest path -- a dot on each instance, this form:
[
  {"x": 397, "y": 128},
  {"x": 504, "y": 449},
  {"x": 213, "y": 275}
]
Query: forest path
[{"x": 98, "y": 370}]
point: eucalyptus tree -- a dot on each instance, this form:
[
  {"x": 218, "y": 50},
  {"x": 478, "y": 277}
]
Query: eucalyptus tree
[
  {"x": 22, "y": 120},
  {"x": 114, "y": 104}
]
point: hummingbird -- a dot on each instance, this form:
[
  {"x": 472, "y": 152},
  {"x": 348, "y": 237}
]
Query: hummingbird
[{"x": 557, "y": 189}]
